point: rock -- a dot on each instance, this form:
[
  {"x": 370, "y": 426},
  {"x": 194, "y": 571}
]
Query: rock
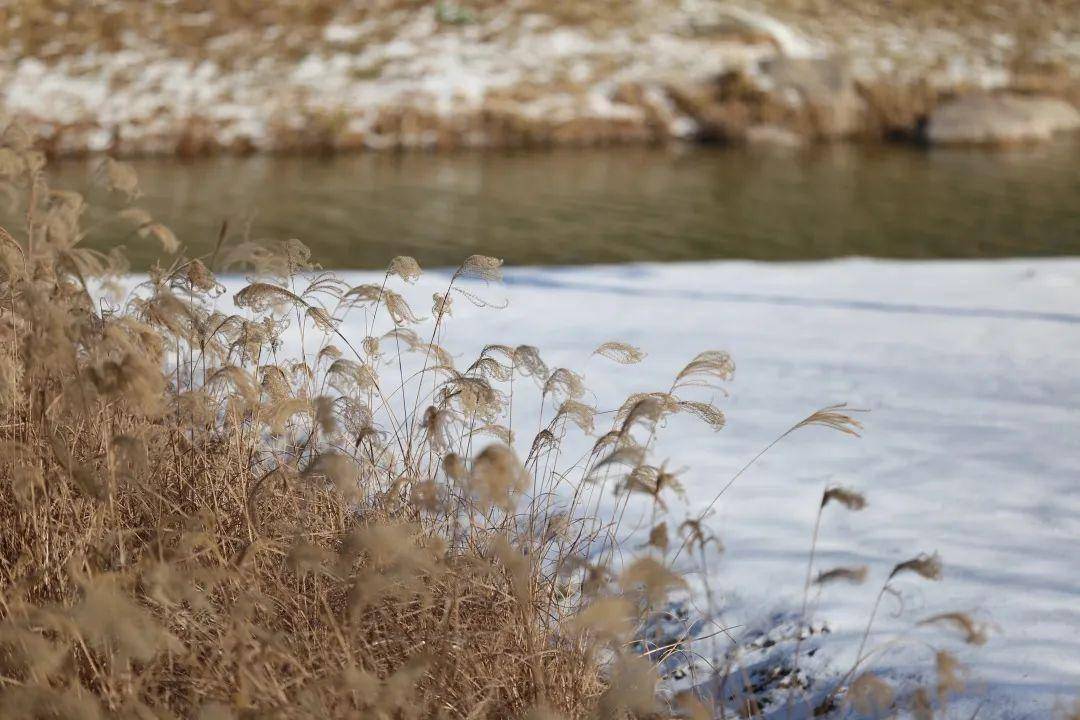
[
  {"x": 773, "y": 136},
  {"x": 1000, "y": 119},
  {"x": 824, "y": 91},
  {"x": 897, "y": 110},
  {"x": 803, "y": 97}
]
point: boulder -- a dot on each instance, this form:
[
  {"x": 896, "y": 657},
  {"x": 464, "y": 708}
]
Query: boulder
[
  {"x": 1000, "y": 119},
  {"x": 824, "y": 92}
]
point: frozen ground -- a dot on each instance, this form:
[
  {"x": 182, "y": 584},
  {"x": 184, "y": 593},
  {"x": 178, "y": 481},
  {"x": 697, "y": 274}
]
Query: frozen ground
[{"x": 971, "y": 446}]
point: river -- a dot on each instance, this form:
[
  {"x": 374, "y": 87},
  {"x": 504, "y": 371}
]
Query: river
[{"x": 571, "y": 207}]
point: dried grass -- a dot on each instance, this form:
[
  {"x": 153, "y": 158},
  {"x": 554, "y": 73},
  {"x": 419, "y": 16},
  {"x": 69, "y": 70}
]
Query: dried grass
[
  {"x": 195, "y": 524},
  {"x": 221, "y": 511},
  {"x": 196, "y": 521}
]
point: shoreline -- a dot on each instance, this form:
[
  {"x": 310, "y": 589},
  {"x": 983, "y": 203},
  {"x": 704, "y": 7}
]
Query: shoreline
[
  {"x": 706, "y": 118},
  {"x": 442, "y": 77}
]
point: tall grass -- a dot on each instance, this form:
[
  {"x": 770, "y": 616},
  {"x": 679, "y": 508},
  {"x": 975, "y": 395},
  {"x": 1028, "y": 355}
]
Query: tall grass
[
  {"x": 195, "y": 520},
  {"x": 293, "y": 503}
]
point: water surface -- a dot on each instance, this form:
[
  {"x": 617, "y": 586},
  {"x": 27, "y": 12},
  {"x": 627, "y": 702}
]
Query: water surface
[{"x": 590, "y": 206}]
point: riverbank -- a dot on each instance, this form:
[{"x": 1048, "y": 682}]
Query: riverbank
[{"x": 133, "y": 78}]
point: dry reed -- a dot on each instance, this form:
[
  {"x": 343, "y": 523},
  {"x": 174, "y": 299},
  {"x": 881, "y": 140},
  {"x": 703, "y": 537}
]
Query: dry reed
[{"x": 263, "y": 513}]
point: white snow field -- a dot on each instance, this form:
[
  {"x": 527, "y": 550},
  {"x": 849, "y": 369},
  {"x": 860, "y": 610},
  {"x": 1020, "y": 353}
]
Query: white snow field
[{"x": 970, "y": 372}]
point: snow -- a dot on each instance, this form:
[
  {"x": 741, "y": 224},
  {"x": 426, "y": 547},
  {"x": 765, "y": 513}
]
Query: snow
[
  {"x": 970, "y": 448},
  {"x": 147, "y": 96},
  {"x": 446, "y": 60},
  {"x": 971, "y": 445},
  {"x": 790, "y": 42},
  {"x": 342, "y": 34}
]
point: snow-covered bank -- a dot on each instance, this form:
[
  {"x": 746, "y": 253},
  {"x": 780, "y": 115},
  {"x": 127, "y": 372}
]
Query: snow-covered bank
[
  {"x": 971, "y": 446},
  {"x": 163, "y": 78}
]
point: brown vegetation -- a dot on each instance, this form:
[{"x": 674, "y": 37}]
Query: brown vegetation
[
  {"x": 206, "y": 513},
  {"x": 195, "y": 521},
  {"x": 322, "y": 76}
]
